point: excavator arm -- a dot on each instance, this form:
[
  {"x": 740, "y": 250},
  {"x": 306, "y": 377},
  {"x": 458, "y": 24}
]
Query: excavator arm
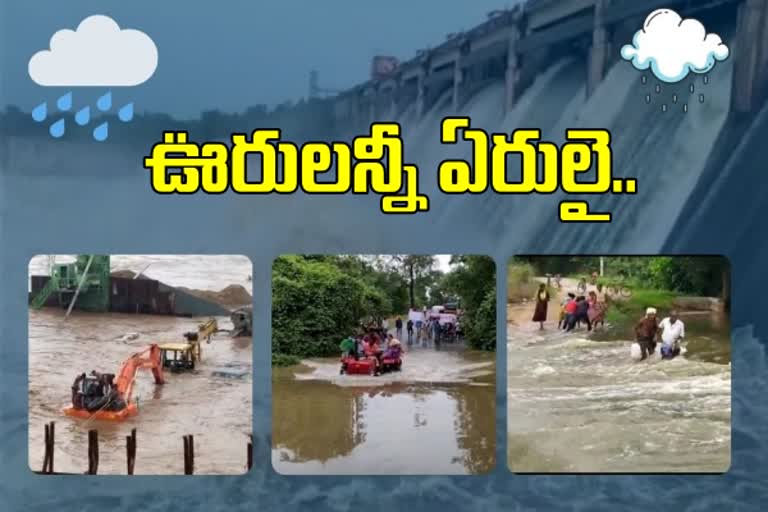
[{"x": 147, "y": 359}]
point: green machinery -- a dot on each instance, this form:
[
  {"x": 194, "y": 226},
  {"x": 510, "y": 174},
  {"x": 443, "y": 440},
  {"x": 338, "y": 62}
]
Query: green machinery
[{"x": 86, "y": 281}]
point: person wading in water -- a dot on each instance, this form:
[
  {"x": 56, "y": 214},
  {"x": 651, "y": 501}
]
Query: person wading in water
[
  {"x": 542, "y": 301},
  {"x": 646, "y": 331}
]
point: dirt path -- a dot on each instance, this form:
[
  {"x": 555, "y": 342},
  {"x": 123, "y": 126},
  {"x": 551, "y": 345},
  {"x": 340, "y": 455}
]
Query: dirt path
[{"x": 520, "y": 313}]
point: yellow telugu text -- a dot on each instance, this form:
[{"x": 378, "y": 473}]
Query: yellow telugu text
[
  {"x": 544, "y": 168},
  {"x": 179, "y": 166},
  {"x": 375, "y": 163}
]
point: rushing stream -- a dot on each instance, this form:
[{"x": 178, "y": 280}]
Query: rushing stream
[
  {"x": 582, "y": 405},
  {"x": 435, "y": 417}
]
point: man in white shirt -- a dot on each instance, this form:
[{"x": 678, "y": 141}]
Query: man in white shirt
[{"x": 672, "y": 331}]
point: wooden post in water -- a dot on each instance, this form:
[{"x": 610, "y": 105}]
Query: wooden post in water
[
  {"x": 250, "y": 453},
  {"x": 130, "y": 448},
  {"x": 93, "y": 452},
  {"x": 49, "y": 443},
  {"x": 189, "y": 455}
]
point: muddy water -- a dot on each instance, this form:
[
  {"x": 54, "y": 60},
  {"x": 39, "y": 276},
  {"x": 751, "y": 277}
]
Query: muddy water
[
  {"x": 216, "y": 410},
  {"x": 437, "y": 416},
  {"x": 579, "y": 404}
]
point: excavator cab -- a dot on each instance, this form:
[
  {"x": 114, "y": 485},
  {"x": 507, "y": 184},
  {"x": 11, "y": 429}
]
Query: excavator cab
[{"x": 179, "y": 357}]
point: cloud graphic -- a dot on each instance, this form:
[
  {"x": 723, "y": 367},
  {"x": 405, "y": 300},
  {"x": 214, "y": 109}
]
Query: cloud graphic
[
  {"x": 98, "y": 53},
  {"x": 673, "y": 47}
]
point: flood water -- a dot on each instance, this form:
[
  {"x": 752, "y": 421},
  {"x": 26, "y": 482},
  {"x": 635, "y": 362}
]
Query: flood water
[
  {"x": 579, "y": 404},
  {"x": 216, "y": 410},
  {"x": 437, "y": 416}
]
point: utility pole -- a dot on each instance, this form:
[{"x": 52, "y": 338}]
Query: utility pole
[{"x": 602, "y": 266}]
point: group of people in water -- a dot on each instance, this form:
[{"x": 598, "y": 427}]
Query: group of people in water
[
  {"x": 375, "y": 344},
  {"x": 649, "y": 331},
  {"x": 587, "y": 305},
  {"x": 96, "y": 391}
]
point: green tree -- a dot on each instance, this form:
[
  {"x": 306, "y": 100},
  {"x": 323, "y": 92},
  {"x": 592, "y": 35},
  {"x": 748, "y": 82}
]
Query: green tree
[
  {"x": 473, "y": 280},
  {"x": 414, "y": 270}
]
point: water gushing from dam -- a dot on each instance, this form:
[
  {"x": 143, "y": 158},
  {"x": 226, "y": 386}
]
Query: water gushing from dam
[{"x": 662, "y": 136}]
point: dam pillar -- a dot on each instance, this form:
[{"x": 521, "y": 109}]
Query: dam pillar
[
  {"x": 372, "y": 99},
  {"x": 600, "y": 51},
  {"x": 749, "y": 65},
  {"x": 421, "y": 85},
  {"x": 457, "y": 79},
  {"x": 458, "y": 73},
  {"x": 513, "y": 66}
]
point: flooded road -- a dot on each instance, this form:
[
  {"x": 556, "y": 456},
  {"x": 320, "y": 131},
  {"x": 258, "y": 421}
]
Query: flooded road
[
  {"x": 437, "y": 416},
  {"x": 216, "y": 410},
  {"x": 582, "y": 405}
]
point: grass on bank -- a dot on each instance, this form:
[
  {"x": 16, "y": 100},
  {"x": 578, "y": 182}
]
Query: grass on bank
[
  {"x": 284, "y": 360},
  {"x": 633, "y": 308},
  {"x": 522, "y": 284}
]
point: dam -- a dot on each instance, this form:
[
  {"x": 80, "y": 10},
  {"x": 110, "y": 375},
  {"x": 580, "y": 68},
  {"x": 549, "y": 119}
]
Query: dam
[{"x": 514, "y": 44}]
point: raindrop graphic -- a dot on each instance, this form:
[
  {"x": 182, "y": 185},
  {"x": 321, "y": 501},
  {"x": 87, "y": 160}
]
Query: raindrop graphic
[
  {"x": 126, "y": 112},
  {"x": 83, "y": 116},
  {"x": 40, "y": 112},
  {"x": 701, "y": 98},
  {"x": 663, "y": 108},
  {"x": 105, "y": 102},
  {"x": 101, "y": 132},
  {"x": 674, "y": 98},
  {"x": 692, "y": 89},
  {"x": 706, "y": 79},
  {"x": 57, "y": 129},
  {"x": 644, "y": 79},
  {"x": 658, "y": 88},
  {"x": 65, "y": 102},
  {"x": 647, "y": 98},
  {"x": 685, "y": 108}
]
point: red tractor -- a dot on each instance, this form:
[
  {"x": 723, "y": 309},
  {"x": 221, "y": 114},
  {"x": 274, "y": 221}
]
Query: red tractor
[{"x": 368, "y": 366}]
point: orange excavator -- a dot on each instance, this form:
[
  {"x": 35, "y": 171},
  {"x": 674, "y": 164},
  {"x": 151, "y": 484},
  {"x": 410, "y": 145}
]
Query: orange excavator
[{"x": 101, "y": 396}]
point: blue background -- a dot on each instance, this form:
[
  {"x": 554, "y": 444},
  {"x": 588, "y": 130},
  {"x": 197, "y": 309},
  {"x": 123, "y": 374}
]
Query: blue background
[{"x": 61, "y": 197}]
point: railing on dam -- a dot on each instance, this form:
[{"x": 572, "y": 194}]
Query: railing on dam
[{"x": 544, "y": 23}]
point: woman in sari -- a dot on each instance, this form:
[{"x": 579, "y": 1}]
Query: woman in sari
[
  {"x": 596, "y": 310},
  {"x": 542, "y": 301}
]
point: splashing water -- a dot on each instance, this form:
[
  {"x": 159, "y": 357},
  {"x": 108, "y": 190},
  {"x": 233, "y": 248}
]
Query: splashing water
[
  {"x": 57, "y": 129},
  {"x": 101, "y": 132},
  {"x": 40, "y": 112},
  {"x": 125, "y": 114},
  {"x": 65, "y": 102},
  {"x": 83, "y": 116},
  {"x": 105, "y": 102}
]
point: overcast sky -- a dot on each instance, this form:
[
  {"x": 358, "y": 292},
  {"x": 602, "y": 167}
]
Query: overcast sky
[{"x": 233, "y": 54}]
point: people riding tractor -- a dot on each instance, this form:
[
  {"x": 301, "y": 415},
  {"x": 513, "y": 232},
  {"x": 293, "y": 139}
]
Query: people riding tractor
[
  {"x": 373, "y": 350},
  {"x": 348, "y": 347},
  {"x": 672, "y": 333},
  {"x": 394, "y": 348},
  {"x": 646, "y": 332}
]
